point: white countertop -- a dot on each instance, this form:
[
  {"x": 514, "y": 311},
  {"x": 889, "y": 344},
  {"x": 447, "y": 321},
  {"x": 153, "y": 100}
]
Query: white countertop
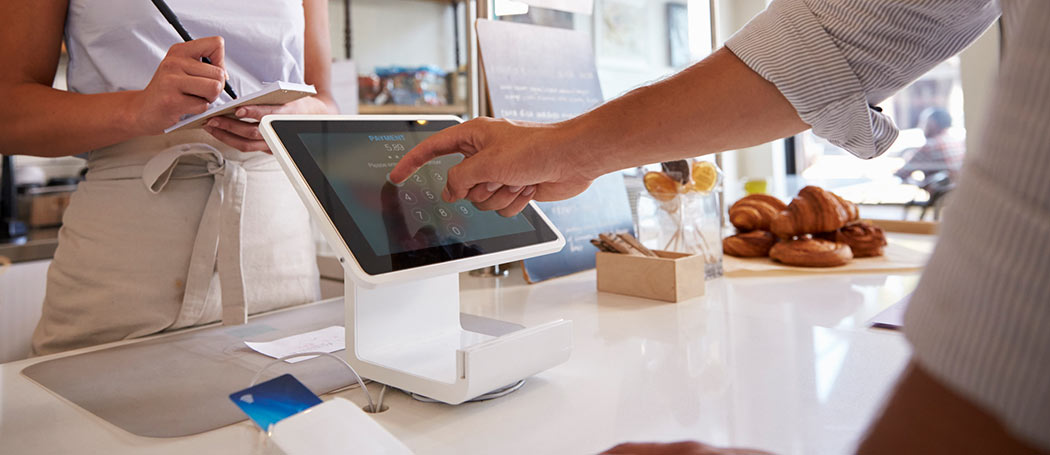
[{"x": 785, "y": 364}]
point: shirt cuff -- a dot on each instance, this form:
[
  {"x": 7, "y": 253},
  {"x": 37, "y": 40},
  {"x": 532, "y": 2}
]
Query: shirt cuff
[{"x": 787, "y": 45}]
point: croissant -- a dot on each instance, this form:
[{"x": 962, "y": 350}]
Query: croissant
[
  {"x": 755, "y": 212},
  {"x": 865, "y": 239},
  {"x": 754, "y": 244},
  {"x": 813, "y": 210}
]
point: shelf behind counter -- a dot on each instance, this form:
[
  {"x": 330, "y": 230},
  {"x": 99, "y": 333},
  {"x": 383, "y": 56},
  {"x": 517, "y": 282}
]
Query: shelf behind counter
[{"x": 39, "y": 245}]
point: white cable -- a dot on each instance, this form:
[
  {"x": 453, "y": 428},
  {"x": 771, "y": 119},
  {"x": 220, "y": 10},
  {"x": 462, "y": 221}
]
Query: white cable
[
  {"x": 379, "y": 402},
  {"x": 303, "y": 354},
  {"x": 488, "y": 396}
]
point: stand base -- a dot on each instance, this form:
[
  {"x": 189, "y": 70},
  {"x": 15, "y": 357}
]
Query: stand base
[
  {"x": 409, "y": 336},
  {"x": 490, "y": 272},
  {"x": 498, "y": 393}
]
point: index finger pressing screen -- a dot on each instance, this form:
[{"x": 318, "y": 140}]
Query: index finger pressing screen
[{"x": 444, "y": 142}]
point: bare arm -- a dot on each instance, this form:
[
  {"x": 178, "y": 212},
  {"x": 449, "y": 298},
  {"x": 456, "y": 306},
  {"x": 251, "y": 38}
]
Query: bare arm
[
  {"x": 36, "y": 119},
  {"x": 33, "y": 110},
  {"x": 715, "y": 105},
  {"x": 318, "y": 52},
  {"x": 925, "y": 417}
]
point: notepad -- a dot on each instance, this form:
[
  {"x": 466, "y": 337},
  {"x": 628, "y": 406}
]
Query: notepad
[{"x": 271, "y": 93}]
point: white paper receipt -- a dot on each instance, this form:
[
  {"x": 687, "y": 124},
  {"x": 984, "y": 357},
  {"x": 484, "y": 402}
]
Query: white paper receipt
[{"x": 328, "y": 340}]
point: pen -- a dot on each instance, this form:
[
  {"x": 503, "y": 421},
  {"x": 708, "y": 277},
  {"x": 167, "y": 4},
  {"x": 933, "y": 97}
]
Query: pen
[{"x": 174, "y": 21}]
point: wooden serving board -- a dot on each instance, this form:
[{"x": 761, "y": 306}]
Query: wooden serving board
[
  {"x": 903, "y": 253},
  {"x": 909, "y": 227}
]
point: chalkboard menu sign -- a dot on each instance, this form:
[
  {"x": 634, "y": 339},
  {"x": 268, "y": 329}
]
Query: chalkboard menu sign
[
  {"x": 537, "y": 74},
  {"x": 602, "y": 208},
  {"x": 543, "y": 74}
]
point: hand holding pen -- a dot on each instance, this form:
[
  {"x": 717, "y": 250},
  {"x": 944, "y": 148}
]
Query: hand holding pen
[
  {"x": 172, "y": 19},
  {"x": 181, "y": 85}
]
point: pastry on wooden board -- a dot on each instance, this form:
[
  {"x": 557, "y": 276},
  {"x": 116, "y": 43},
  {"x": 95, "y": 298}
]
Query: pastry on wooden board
[
  {"x": 754, "y": 244},
  {"x": 810, "y": 252},
  {"x": 755, "y": 212},
  {"x": 813, "y": 210}
]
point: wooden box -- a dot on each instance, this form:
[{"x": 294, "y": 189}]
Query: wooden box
[
  {"x": 671, "y": 277},
  {"x": 44, "y": 206}
]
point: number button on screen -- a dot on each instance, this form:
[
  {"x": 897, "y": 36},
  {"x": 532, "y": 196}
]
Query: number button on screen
[
  {"x": 407, "y": 198},
  {"x": 444, "y": 213},
  {"x": 455, "y": 230},
  {"x": 429, "y": 195},
  {"x": 464, "y": 210},
  {"x": 420, "y": 215}
]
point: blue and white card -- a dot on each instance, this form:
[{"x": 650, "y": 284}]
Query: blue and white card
[{"x": 272, "y": 401}]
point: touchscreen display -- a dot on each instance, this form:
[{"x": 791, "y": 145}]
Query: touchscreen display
[{"x": 408, "y": 217}]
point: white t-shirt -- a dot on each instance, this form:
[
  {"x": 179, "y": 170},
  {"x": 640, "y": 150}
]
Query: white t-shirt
[{"x": 116, "y": 45}]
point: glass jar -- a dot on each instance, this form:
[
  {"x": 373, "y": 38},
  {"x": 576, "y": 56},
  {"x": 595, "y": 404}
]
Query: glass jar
[{"x": 688, "y": 223}]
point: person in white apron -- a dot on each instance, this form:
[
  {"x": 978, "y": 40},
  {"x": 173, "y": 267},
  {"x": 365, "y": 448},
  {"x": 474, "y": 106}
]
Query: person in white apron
[{"x": 168, "y": 230}]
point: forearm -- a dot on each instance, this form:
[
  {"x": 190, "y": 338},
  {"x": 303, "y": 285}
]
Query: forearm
[
  {"x": 716, "y": 105},
  {"x": 925, "y": 417},
  {"x": 41, "y": 121},
  {"x": 318, "y": 52},
  {"x": 328, "y": 103}
]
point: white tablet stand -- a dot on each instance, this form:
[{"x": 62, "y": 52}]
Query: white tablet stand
[
  {"x": 402, "y": 327},
  {"x": 408, "y": 335}
]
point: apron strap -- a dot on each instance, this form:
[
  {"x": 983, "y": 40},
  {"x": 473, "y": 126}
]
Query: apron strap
[
  {"x": 230, "y": 264},
  {"x": 218, "y": 240}
]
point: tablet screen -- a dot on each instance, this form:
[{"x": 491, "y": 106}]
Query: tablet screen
[
  {"x": 407, "y": 217},
  {"x": 390, "y": 227}
]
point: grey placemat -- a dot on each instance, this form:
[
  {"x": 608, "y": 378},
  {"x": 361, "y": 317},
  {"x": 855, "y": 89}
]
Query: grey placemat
[{"x": 180, "y": 385}]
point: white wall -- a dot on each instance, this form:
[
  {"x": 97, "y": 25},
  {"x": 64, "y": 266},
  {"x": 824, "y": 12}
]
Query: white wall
[
  {"x": 978, "y": 66},
  {"x": 619, "y": 77},
  {"x": 395, "y": 32}
]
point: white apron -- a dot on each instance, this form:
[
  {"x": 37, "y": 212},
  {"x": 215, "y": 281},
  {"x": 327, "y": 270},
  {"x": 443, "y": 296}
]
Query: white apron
[{"x": 176, "y": 230}]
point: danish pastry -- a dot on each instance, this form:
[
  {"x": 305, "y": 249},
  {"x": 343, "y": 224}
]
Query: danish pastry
[
  {"x": 864, "y": 239},
  {"x": 809, "y": 252},
  {"x": 755, "y": 212},
  {"x": 813, "y": 210},
  {"x": 754, "y": 244}
]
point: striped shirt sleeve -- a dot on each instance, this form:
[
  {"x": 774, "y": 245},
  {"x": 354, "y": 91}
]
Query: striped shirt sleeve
[
  {"x": 835, "y": 59},
  {"x": 979, "y": 320}
]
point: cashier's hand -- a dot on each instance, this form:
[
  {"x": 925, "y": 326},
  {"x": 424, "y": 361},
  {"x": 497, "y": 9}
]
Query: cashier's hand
[
  {"x": 507, "y": 164},
  {"x": 677, "y": 448},
  {"x": 245, "y": 136},
  {"x": 182, "y": 84}
]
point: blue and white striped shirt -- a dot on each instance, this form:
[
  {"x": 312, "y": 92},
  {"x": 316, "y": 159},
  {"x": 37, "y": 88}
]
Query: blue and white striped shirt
[{"x": 980, "y": 319}]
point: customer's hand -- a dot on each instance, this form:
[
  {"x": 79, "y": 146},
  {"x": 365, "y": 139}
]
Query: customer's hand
[
  {"x": 677, "y": 448},
  {"x": 245, "y": 136},
  {"x": 507, "y": 164},
  {"x": 182, "y": 84}
]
